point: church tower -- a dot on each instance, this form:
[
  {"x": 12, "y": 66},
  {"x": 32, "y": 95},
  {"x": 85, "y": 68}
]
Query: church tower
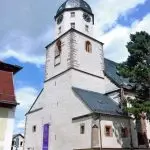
[
  {"x": 75, "y": 14},
  {"x": 74, "y": 47}
]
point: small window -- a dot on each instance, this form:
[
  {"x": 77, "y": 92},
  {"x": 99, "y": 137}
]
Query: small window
[
  {"x": 59, "y": 30},
  {"x": 72, "y": 14},
  {"x": 34, "y": 129},
  {"x": 124, "y": 132},
  {"x": 21, "y": 143},
  {"x": 86, "y": 28},
  {"x": 58, "y": 48},
  {"x": 88, "y": 47},
  {"x": 82, "y": 129},
  {"x": 73, "y": 25},
  {"x": 108, "y": 131}
]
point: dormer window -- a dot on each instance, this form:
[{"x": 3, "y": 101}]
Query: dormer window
[
  {"x": 73, "y": 25},
  {"x": 88, "y": 46},
  {"x": 72, "y": 14}
]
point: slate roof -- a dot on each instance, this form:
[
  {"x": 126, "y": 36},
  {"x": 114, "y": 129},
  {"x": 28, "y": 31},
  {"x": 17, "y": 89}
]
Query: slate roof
[
  {"x": 112, "y": 73},
  {"x": 98, "y": 102},
  {"x": 74, "y": 4}
]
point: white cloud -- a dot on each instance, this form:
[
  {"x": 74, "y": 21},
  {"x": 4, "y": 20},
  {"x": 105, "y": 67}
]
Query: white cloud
[
  {"x": 24, "y": 48},
  {"x": 26, "y": 96},
  {"x": 116, "y": 40},
  {"x": 21, "y": 124},
  {"x": 31, "y": 50},
  {"x": 107, "y": 12}
]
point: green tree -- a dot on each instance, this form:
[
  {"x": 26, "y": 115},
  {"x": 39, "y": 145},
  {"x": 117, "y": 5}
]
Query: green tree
[{"x": 137, "y": 70}]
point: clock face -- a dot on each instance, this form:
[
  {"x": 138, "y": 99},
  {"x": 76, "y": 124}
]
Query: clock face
[
  {"x": 60, "y": 19},
  {"x": 87, "y": 17}
]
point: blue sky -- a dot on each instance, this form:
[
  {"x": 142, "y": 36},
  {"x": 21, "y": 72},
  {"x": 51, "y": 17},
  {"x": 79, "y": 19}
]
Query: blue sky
[{"x": 28, "y": 26}]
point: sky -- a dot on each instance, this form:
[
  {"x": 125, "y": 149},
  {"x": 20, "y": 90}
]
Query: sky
[{"x": 27, "y": 26}]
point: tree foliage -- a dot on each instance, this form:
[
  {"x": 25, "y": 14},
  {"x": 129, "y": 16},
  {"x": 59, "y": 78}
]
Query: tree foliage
[{"x": 137, "y": 70}]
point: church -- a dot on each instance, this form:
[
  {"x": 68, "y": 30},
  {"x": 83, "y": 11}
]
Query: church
[{"x": 80, "y": 105}]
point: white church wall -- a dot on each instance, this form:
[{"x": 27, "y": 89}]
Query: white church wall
[
  {"x": 116, "y": 141},
  {"x": 6, "y": 127},
  {"x": 33, "y": 139},
  {"x": 80, "y": 23},
  {"x": 88, "y": 82},
  {"x": 63, "y": 105},
  {"x": 51, "y": 69},
  {"x": 89, "y": 62},
  {"x": 82, "y": 141},
  {"x": 109, "y": 85},
  {"x": 60, "y": 105}
]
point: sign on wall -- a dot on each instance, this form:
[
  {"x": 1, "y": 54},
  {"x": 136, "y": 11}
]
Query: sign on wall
[{"x": 45, "y": 136}]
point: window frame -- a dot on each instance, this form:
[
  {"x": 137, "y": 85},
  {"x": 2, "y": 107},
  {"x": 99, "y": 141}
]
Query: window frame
[
  {"x": 73, "y": 25},
  {"x": 110, "y": 131},
  {"x": 59, "y": 30},
  {"x": 34, "y": 128},
  {"x": 82, "y": 128},
  {"x": 72, "y": 14},
  {"x": 86, "y": 28},
  {"x": 124, "y": 132},
  {"x": 88, "y": 47}
]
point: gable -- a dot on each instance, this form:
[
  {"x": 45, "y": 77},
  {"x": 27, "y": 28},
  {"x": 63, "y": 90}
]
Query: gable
[
  {"x": 37, "y": 103},
  {"x": 110, "y": 86}
]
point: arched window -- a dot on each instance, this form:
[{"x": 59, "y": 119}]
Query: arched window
[
  {"x": 58, "y": 48},
  {"x": 88, "y": 47}
]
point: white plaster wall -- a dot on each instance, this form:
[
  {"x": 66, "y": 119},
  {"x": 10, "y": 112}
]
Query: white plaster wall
[
  {"x": 116, "y": 141},
  {"x": 79, "y": 23},
  {"x": 34, "y": 139},
  {"x": 6, "y": 144},
  {"x": 52, "y": 70},
  {"x": 109, "y": 86},
  {"x": 89, "y": 62},
  {"x": 82, "y": 141},
  {"x": 88, "y": 82},
  {"x": 60, "y": 106}
]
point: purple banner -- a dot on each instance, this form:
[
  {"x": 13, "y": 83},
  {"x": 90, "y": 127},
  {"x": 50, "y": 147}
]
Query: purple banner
[{"x": 45, "y": 136}]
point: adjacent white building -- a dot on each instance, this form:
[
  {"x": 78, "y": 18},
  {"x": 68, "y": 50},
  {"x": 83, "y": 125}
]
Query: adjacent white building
[
  {"x": 17, "y": 142},
  {"x": 79, "y": 107},
  {"x": 7, "y": 104}
]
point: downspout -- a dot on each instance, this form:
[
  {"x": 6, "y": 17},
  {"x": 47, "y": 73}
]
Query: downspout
[
  {"x": 131, "y": 140},
  {"x": 100, "y": 132}
]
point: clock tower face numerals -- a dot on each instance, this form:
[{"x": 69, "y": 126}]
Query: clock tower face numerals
[
  {"x": 60, "y": 19},
  {"x": 86, "y": 17}
]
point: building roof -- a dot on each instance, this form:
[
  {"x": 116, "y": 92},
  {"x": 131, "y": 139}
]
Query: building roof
[
  {"x": 74, "y": 4},
  {"x": 9, "y": 67},
  {"x": 111, "y": 72},
  {"x": 16, "y": 135},
  {"x": 98, "y": 102}
]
